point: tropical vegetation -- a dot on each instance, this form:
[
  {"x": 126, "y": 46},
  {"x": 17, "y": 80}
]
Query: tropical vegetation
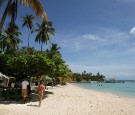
[
  {"x": 87, "y": 77},
  {"x": 20, "y": 64},
  {"x": 26, "y": 61},
  {"x": 28, "y": 21},
  {"x": 45, "y": 30},
  {"x": 12, "y": 9}
]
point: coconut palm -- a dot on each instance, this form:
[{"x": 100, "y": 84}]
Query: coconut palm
[
  {"x": 54, "y": 48},
  {"x": 28, "y": 21},
  {"x": 3, "y": 41},
  {"x": 10, "y": 38},
  {"x": 14, "y": 36},
  {"x": 45, "y": 30},
  {"x": 54, "y": 51},
  {"x": 12, "y": 6}
]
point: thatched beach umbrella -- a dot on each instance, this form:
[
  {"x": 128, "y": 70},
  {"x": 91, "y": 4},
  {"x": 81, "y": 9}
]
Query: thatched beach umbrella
[
  {"x": 48, "y": 78},
  {"x": 5, "y": 79}
]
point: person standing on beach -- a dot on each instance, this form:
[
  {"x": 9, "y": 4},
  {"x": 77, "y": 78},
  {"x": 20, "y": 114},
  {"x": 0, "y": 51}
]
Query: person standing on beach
[
  {"x": 41, "y": 90},
  {"x": 25, "y": 84}
]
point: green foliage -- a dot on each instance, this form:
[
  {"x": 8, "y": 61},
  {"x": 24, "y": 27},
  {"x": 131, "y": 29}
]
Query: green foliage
[
  {"x": 22, "y": 64},
  {"x": 45, "y": 30},
  {"x": 3, "y": 62},
  {"x": 27, "y": 62},
  {"x": 87, "y": 77},
  {"x": 28, "y": 22},
  {"x": 9, "y": 39}
]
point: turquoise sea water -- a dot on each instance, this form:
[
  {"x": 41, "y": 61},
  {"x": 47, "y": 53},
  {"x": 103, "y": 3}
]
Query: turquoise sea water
[{"x": 124, "y": 89}]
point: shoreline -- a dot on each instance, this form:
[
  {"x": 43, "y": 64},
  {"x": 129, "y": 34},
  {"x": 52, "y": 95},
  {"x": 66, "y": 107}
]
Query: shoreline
[
  {"x": 116, "y": 94},
  {"x": 73, "y": 100},
  {"x": 123, "y": 94}
]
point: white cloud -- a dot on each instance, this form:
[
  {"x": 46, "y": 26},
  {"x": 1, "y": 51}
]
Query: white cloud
[
  {"x": 132, "y": 31},
  {"x": 107, "y": 36},
  {"x": 71, "y": 42},
  {"x": 100, "y": 48},
  {"x": 91, "y": 37},
  {"x": 94, "y": 41}
]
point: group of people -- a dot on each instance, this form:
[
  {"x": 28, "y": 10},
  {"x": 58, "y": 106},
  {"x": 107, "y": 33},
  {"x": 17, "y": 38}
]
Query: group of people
[{"x": 41, "y": 91}]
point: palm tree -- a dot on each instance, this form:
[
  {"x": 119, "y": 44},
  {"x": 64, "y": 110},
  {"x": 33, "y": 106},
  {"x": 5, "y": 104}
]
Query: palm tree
[
  {"x": 54, "y": 48},
  {"x": 3, "y": 41},
  {"x": 54, "y": 51},
  {"x": 45, "y": 30},
  {"x": 14, "y": 36},
  {"x": 12, "y": 6},
  {"x": 28, "y": 21},
  {"x": 10, "y": 38}
]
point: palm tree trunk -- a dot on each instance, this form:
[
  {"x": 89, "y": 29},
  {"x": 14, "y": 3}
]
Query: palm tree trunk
[
  {"x": 41, "y": 46},
  {"x": 5, "y": 14},
  {"x": 29, "y": 38}
]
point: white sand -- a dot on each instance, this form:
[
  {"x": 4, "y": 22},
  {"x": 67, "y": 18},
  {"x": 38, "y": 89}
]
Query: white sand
[{"x": 71, "y": 100}]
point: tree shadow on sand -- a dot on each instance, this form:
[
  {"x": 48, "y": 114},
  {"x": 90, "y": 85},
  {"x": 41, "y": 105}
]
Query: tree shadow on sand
[{"x": 33, "y": 97}]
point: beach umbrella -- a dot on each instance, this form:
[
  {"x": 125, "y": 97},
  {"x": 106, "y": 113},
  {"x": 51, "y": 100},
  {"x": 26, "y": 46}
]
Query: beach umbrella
[
  {"x": 48, "y": 78},
  {"x": 4, "y": 78}
]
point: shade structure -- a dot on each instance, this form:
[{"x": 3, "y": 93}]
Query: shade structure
[
  {"x": 4, "y": 79},
  {"x": 3, "y": 76},
  {"x": 48, "y": 78}
]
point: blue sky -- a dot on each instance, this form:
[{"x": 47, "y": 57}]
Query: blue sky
[{"x": 94, "y": 35}]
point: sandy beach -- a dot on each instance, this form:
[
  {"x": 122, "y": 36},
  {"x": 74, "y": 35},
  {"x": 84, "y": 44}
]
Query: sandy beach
[{"x": 72, "y": 100}]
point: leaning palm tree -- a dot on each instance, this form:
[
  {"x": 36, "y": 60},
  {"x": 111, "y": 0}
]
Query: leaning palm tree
[
  {"x": 28, "y": 21},
  {"x": 45, "y": 30},
  {"x": 12, "y": 6}
]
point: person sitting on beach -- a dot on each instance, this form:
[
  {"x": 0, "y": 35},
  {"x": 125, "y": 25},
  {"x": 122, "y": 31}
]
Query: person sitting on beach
[
  {"x": 41, "y": 90},
  {"x": 25, "y": 83}
]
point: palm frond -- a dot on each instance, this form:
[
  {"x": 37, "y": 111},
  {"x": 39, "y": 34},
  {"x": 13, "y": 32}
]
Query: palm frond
[
  {"x": 36, "y": 30},
  {"x": 37, "y": 39},
  {"x": 38, "y": 25},
  {"x": 37, "y": 7},
  {"x": 1, "y": 2},
  {"x": 13, "y": 12},
  {"x": 28, "y": 21}
]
